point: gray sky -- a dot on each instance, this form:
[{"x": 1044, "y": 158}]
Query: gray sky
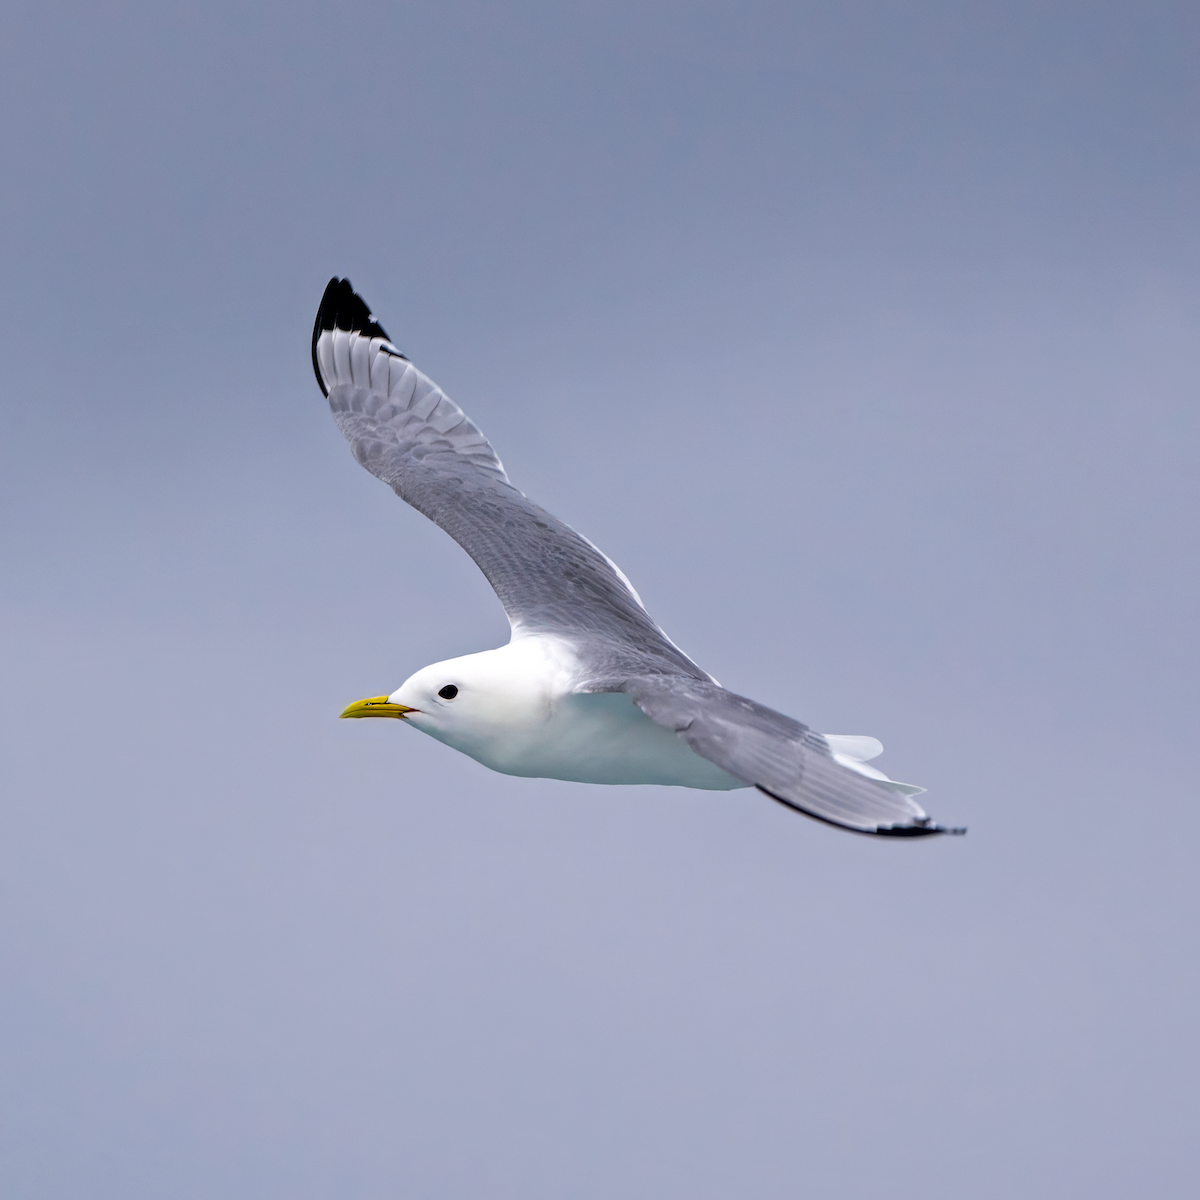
[{"x": 863, "y": 337}]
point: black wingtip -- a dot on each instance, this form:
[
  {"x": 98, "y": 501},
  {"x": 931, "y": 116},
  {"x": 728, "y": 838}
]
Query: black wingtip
[
  {"x": 925, "y": 830},
  {"x": 922, "y": 827},
  {"x": 342, "y": 308}
]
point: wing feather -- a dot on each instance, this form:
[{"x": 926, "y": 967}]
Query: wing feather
[
  {"x": 406, "y": 431},
  {"x": 780, "y": 756}
]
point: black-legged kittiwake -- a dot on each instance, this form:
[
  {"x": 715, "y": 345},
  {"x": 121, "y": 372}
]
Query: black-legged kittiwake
[{"x": 589, "y": 688}]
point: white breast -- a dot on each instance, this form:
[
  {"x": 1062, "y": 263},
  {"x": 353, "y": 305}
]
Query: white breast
[{"x": 605, "y": 738}]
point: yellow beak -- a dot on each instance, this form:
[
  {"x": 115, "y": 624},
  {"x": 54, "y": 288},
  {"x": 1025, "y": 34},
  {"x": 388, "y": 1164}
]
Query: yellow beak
[{"x": 376, "y": 706}]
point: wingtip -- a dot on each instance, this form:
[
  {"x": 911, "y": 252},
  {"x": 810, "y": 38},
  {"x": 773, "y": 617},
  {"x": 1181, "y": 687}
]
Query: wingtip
[
  {"x": 918, "y": 830},
  {"x": 343, "y": 308},
  {"x": 921, "y": 827}
]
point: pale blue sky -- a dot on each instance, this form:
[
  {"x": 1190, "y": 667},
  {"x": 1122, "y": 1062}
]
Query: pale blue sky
[{"x": 863, "y": 337}]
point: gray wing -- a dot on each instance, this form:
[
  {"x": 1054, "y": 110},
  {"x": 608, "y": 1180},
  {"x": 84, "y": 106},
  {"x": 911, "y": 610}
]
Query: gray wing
[
  {"x": 781, "y": 757},
  {"x": 407, "y": 432}
]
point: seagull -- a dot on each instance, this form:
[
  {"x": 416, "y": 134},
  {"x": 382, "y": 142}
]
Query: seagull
[{"x": 589, "y": 688}]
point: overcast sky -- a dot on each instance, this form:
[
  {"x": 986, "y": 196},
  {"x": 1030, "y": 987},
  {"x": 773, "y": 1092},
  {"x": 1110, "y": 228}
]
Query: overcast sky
[{"x": 863, "y": 336}]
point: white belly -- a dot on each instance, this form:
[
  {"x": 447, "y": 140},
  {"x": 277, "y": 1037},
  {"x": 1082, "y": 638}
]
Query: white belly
[{"x": 602, "y": 738}]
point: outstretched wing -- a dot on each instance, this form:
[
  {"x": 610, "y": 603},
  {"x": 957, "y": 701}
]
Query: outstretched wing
[
  {"x": 404, "y": 429},
  {"x": 780, "y": 756}
]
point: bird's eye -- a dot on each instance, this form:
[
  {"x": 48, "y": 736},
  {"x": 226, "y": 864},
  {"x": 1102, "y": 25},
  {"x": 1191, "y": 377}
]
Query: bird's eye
[{"x": 448, "y": 692}]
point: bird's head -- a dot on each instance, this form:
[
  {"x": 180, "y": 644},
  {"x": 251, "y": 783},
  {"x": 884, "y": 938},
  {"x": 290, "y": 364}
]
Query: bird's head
[{"x": 466, "y": 702}]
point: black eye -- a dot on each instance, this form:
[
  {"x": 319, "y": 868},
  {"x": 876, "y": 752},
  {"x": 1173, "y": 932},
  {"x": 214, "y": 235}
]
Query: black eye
[{"x": 448, "y": 692}]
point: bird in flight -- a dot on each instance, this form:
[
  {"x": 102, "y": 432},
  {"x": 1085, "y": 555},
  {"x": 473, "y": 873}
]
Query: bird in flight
[{"x": 589, "y": 688}]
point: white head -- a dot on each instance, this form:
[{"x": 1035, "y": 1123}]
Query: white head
[{"x": 485, "y": 705}]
